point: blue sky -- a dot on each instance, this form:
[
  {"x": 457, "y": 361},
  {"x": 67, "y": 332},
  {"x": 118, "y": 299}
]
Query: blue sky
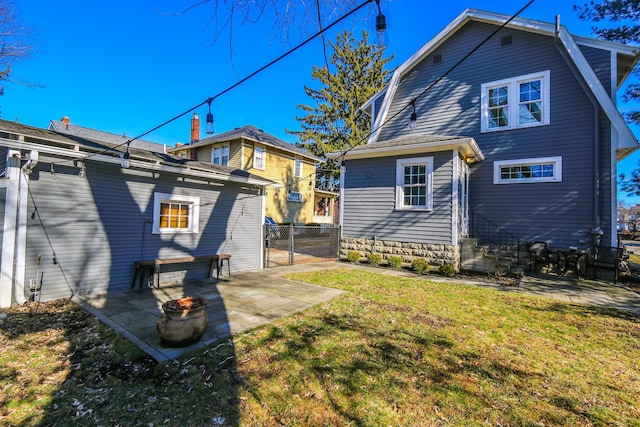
[{"x": 128, "y": 66}]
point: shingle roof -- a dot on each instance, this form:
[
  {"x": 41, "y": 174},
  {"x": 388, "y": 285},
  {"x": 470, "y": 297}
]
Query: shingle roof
[
  {"x": 407, "y": 140},
  {"x": 411, "y": 144},
  {"x": 35, "y": 135},
  {"x": 98, "y": 135},
  {"x": 252, "y": 133}
]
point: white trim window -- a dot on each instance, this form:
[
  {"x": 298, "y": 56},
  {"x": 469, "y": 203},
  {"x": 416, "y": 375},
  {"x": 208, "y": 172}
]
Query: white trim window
[
  {"x": 414, "y": 183},
  {"x": 297, "y": 168},
  {"x": 542, "y": 169},
  {"x": 220, "y": 155},
  {"x": 175, "y": 213},
  {"x": 259, "y": 158},
  {"x": 517, "y": 102},
  {"x": 294, "y": 196}
]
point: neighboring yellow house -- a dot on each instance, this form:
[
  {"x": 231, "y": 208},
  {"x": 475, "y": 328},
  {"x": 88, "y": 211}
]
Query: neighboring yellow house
[{"x": 255, "y": 151}]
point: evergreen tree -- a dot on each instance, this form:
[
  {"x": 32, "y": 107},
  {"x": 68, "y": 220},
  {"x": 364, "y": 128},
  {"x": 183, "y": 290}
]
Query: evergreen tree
[
  {"x": 336, "y": 122},
  {"x": 627, "y": 13}
]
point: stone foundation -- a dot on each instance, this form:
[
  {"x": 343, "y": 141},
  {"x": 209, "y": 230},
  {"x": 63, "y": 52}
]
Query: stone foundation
[{"x": 434, "y": 254}]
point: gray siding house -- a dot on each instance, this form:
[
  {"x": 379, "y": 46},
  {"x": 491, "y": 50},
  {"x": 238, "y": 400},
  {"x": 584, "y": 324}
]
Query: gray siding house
[
  {"x": 74, "y": 221},
  {"x": 522, "y": 134}
]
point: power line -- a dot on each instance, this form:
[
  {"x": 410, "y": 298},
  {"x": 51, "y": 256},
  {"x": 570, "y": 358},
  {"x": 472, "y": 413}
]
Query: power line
[
  {"x": 239, "y": 82},
  {"x": 439, "y": 79}
]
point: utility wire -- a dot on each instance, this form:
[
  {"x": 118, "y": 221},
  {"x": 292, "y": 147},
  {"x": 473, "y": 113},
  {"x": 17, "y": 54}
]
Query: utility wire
[
  {"x": 56, "y": 261},
  {"x": 238, "y": 83},
  {"x": 439, "y": 79}
]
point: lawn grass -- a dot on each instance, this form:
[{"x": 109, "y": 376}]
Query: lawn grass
[{"x": 390, "y": 351}]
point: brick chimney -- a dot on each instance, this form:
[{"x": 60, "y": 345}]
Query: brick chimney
[
  {"x": 195, "y": 128},
  {"x": 67, "y": 121}
]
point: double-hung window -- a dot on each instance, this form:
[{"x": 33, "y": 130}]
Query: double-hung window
[
  {"x": 220, "y": 155},
  {"x": 297, "y": 168},
  {"x": 414, "y": 183},
  {"x": 175, "y": 213},
  {"x": 517, "y": 102},
  {"x": 542, "y": 169},
  {"x": 259, "y": 160}
]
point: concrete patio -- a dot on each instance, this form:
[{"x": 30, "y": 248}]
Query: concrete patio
[
  {"x": 248, "y": 300},
  {"x": 236, "y": 304}
]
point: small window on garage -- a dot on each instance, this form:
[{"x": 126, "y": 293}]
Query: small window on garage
[{"x": 175, "y": 213}]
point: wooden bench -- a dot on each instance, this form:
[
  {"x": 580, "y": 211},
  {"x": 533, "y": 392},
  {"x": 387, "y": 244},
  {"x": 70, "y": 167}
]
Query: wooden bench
[{"x": 151, "y": 268}]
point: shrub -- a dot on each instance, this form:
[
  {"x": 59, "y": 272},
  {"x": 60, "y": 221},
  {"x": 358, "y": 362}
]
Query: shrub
[
  {"x": 447, "y": 270},
  {"x": 353, "y": 256},
  {"x": 420, "y": 265},
  {"x": 395, "y": 261},
  {"x": 374, "y": 259}
]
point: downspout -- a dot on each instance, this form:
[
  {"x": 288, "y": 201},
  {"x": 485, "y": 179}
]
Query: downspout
[{"x": 596, "y": 232}]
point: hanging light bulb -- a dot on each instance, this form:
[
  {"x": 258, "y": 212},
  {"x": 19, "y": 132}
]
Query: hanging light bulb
[
  {"x": 382, "y": 40},
  {"x": 124, "y": 159},
  {"x": 53, "y": 172},
  {"x": 209, "y": 129},
  {"x": 414, "y": 116},
  {"x": 83, "y": 171}
]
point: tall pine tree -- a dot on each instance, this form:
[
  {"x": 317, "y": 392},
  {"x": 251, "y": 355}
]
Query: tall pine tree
[{"x": 336, "y": 122}]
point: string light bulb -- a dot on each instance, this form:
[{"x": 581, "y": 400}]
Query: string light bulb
[
  {"x": 414, "y": 117},
  {"x": 209, "y": 129},
  {"x": 53, "y": 171},
  {"x": 382, "y": 40},
  {"x": 124, "y": 159},
  {"x": 83, "y": 171}
]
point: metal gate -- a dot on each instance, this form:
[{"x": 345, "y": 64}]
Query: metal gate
[{"x": 297, "y": 244}]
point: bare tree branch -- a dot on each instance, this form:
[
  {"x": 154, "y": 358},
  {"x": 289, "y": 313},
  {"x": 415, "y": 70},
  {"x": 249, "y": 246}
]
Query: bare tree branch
[
  {"x": 13, "y": 46},
  {"x": 287, "y": 17}
]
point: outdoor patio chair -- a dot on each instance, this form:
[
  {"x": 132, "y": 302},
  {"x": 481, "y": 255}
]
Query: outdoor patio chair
[
  {"x": 607, "y": 258},
  {"x": 540, "y": 255}
]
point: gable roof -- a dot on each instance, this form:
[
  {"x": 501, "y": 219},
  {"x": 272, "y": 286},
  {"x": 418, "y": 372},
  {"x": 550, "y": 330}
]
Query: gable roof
[
  {"x": 23, "y": 137},
  {"x": 625, "y": 55},
  {"x": 250, "y": 133},
  {"x": 98, "y": 135}
]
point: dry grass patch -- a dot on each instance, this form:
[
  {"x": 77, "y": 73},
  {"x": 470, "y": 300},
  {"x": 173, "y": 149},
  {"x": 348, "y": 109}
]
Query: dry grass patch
[{"x": 390, "y": 351}]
